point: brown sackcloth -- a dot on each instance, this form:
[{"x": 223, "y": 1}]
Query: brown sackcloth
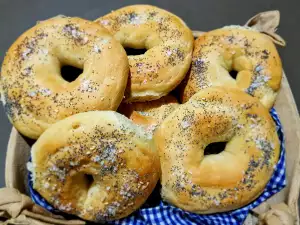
[
  {"x": 277, "y": 214},
  {"x": 267, "y": 23},
  {"x": 264, "y": 22},
  {"x": 18, "y": 209}
]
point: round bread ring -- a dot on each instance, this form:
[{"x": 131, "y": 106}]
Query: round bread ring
[
  {"x": 100, "y": 167},
  {"x": 149, "y": 114},
  {"x": 169, "y": 44},
  {"x": 33, "y": 91},
  {"x": 252, "y": 54},
  {"x": 221, "y": 182}
]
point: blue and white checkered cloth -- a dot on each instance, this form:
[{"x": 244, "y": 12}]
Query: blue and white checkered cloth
[{"x": 165, "y": 214}]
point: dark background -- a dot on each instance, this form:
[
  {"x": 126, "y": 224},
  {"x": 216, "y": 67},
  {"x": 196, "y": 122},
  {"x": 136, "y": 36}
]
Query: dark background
[{"x": 16, "y": 16}]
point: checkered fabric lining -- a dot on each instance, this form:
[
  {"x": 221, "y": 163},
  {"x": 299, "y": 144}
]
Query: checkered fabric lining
[{"x": 165, "y": 214}]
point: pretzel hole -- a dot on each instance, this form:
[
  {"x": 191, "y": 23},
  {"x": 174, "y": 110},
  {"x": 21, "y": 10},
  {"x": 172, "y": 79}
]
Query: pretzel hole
[
  {"x": 233, "y": 74},
  {"x": 89, "y": 179},
  {"x": 133, "y": 51},
  {"x": 70, "y": 73},
  {"x": 215, "y": 148}
]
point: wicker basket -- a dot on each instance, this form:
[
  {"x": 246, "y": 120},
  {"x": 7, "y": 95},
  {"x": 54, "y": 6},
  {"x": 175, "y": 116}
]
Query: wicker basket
[{"x": 18, "y": 151}]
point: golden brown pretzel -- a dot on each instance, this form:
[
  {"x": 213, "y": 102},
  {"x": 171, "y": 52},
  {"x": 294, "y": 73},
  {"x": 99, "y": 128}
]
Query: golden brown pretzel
[
  {"x": 97, "y": 165},
  {"x": 252, "y": 54},
  {"x": 169, "y": 44},
  {"x": 149, "y": 114},
  {"x": 201, "y": 183},
  {"x": 33, "y": 91}
]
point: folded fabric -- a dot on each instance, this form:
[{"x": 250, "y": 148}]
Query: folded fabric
[
  {"x": 278, "y": 214},
  {"x": 267, "y": 23},
  {"x": 18, "y": 209}
]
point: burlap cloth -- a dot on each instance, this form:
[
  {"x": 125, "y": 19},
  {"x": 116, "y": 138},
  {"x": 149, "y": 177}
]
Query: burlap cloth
[
  {"x": 18, "y": 209},
  {"x": 264, "y": 22},
  {"x": 278, "y": 214}
]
